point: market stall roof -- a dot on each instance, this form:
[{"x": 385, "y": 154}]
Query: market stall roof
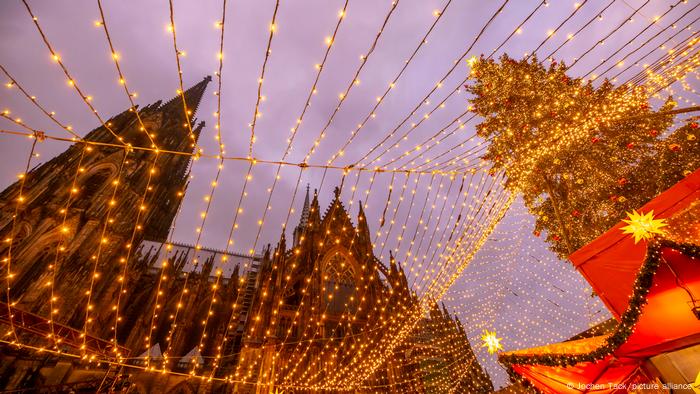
[
  {"x": 652, "y": 288},
  {"x": 660, "y": 319},
  {"x": 579, "y": 346},
  {"x": 606, "y": 376},
  {"x": 610, "y": 262}
]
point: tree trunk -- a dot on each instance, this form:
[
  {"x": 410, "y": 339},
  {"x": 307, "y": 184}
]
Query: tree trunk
[{"x": 562, "y": 225}]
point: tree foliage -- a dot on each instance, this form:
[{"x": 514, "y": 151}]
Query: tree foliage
[{"x": 580, "y": 155}]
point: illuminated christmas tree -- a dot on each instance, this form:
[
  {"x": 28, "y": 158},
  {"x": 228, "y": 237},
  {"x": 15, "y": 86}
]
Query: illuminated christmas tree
[
  {"x": 580, "y": 155},
  {"x": 679, "y": 154}
]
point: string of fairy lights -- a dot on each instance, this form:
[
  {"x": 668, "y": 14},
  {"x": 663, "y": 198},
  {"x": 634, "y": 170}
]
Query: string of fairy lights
[
  {"x": 181, "y": 91},
  {"x": 655, "y": 21},
  {"x": 541, "y": 314},
  {"x": 208, "y": 198},
  {"x": 183, "y": 294},
  {"x": 354, "y": 82},
  {"x": 70, "y": 80},
  {"x": 380, "y": 99},
  {"x": 320, "y": 67},
  {"x": 122, "y": 80},
  {"x": 375, "y": 365},
  {"x": 51, "y": 115},
  {"x": 340, "y": 347},
  {"x": 660, "y": 61},
  {"x": 677, "y": 65},
  {"x": 650, "y": 52},
  {"x": 277, "y": 176},
  {"x": 517, "y": 30},
  {"x": 424, "y": 149},
  {"x": 221, "y": 25},
  {"x": 551, "y": 33},
  {"x": 438, "y": 210},
  {"x": 425, "y": 100}
]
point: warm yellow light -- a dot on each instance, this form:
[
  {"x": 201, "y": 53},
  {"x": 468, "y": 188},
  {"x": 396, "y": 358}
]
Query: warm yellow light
[
  {"x": 643, "y": 226},
  {"x": 491, "y": 342}
]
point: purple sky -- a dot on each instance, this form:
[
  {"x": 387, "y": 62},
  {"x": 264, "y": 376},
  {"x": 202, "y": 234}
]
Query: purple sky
[{"x": 138, "y": 29}]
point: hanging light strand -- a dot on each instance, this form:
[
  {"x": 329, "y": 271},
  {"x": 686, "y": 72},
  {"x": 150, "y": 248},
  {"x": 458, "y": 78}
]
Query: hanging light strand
[
  {"x": 33, "y": 100},
  {"x": 392, "y": 84},
  {"x": 122, "y": 80},
  {"x": 353, "y": 82},
  {"x": 256, "y": 113},
  {"x": 436, "y": 87},
  {"x": 71, "y": 80},
  {"x": 181, "y": 91}
]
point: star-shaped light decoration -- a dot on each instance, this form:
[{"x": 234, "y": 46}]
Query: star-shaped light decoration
[
  {"x": 491, "y": 342},
  {"x": 643, "y": 225}
]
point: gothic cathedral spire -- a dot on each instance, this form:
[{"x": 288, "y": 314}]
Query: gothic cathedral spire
[
  {"x": 87, "y": 206},
  {"x": 303, "y": 221}
]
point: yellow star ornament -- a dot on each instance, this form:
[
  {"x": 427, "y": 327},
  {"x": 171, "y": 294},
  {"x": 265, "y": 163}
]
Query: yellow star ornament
[
  {"x": 643, "y": 225},
  {"x": 696, "y": 385},
  {"x": 491, "y": 342}
]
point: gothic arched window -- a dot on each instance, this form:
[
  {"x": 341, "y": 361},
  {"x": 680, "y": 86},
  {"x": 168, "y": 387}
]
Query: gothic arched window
[{"x": 339, "y": 285}]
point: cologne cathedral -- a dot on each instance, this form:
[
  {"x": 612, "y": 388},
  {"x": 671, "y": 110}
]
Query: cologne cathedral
[{"x": 98, "y": 299}]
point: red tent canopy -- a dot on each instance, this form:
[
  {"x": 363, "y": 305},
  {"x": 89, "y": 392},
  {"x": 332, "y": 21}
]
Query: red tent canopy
[
  {"x": 610, "y": 262},
  {"x": 651, "y": 288}
]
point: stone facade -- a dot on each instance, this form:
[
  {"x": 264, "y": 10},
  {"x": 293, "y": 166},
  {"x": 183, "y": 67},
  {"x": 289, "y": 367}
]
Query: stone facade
[{"x": 86, "y": 248}]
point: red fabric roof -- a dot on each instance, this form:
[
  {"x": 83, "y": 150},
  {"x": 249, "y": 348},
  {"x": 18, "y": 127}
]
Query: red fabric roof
[
  {"x": 610, "y": 262},
  {"x": 666, "y": 324},
  {"x": 605, "y": 376}
]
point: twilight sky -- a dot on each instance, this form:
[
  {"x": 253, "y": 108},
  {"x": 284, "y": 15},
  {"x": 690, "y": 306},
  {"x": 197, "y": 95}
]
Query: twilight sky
[{"x": 138, "y": 29}]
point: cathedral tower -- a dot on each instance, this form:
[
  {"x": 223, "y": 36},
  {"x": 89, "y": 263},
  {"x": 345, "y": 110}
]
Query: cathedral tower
[
  {"x": 85, "y": 248},
  {"x": 82, "y": 211}
]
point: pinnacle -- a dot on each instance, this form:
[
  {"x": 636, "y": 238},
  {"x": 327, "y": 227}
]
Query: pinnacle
[{"x": 193, "y": 96}]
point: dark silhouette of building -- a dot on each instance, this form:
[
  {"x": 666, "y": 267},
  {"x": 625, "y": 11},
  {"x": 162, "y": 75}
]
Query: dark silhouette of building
[{"x": 91, "y": 273}]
